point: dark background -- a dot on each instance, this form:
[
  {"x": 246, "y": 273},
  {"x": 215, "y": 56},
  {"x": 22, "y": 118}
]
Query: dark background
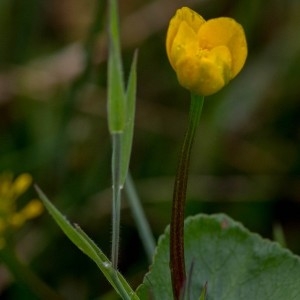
[{"x": 53, "y": 125}]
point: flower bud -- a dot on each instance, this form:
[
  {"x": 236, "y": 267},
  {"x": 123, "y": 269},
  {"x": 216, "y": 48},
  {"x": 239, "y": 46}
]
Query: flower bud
[{"x": 205, "y": 55}]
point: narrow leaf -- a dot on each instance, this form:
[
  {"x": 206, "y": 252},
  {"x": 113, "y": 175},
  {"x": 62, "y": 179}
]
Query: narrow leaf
[
  {"x": 116, "y": 91},
  {"x": 88, "y": 247},
  {"x": 114, "y": 277},
  {"x": 203, "y": 292},
  {"x": 130, "y": 116}
]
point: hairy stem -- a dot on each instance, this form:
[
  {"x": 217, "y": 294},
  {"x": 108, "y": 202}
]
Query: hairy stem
[
  {"x": 116, "y": 204},
  {"x": 177, "y": 263}
]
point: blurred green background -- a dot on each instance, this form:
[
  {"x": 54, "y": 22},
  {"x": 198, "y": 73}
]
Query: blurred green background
[{"x": 246, "y": 158}]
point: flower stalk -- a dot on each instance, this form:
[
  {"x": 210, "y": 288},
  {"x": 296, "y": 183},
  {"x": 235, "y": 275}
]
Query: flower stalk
[{"x": 177, "y": 262}]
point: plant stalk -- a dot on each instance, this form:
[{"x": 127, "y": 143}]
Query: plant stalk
[
  {"x": 116, "y": 201},
  {"x": 177, "y": 262},
  {"x": 143, "y": 226}
]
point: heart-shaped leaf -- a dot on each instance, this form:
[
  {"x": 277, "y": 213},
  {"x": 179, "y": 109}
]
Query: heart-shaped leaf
[{"x": 234, "y": 263}]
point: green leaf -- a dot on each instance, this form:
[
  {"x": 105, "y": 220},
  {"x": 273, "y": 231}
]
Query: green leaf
[
  {"x": 203, "y": 293},
  {"x": 129, "y": 125},
  {"x": 116, "y": 91},
  {"x": 236, "y": 264},
  {"x": 88, "y": 247}
]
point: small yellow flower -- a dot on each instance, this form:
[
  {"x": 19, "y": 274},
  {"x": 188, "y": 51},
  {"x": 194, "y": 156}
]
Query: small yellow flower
[
  {"x": 10, "y": 190},
  {"x": 205, "y": 55}
]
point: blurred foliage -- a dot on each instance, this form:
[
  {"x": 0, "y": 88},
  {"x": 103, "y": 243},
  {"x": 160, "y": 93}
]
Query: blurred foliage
[{"x": 53, "y": 125}]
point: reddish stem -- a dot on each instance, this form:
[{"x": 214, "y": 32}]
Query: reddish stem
[{"x": 177, "y": 263}]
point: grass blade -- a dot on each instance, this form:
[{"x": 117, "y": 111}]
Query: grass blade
[
  {"x": 130, "y": 116},
  {"x": 116, "y": 91},
  {"x": 88, "y": 247}
]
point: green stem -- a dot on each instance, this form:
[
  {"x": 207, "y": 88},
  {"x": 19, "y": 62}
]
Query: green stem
[
  {"x": 24, "y": 275},
  {"x": 116, "y": 201},
  {"x": 177, "y": 263},
  {"x": 140, "y": 218}
]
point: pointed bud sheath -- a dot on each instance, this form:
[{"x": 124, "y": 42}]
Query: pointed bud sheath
[{"x": 205, "y": 55}]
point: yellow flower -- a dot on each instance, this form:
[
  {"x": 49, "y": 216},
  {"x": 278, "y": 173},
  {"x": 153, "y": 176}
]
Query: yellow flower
[
  {"x": 205, "y": 55},
  {"x": 10, "y": 191}
]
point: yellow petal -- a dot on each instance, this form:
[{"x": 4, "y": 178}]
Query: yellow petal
[
  {"x": 16, "y": 220},
  {"x": 33, "y": 209},
  {"x": 6, "y": 186},
  {"x": 184, "y": 44},
  {"x": 188, "y": 15},
  {"x": 206, "y": 73},
  {"x": 226, "y": 32},
  {"x": 21, "y": 183},
  {"x": 205, "y": 55},
  {"x": 192, "y": 22}
]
